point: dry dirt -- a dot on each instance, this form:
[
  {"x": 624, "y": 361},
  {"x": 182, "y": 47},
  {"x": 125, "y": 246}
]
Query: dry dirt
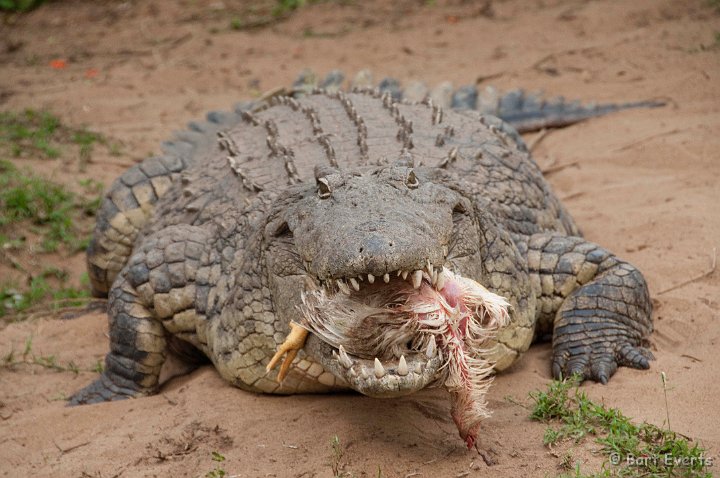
[{"x": 644, "y": 183}]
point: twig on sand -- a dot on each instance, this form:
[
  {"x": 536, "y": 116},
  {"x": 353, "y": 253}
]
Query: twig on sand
[
  {"x": 559, "y": 167},
  {"x": 647, "y": 138},
  {"x": 71, "y": 448},
  {"x": 702, "y": 275},
  {"x": 538, "y": 138}
]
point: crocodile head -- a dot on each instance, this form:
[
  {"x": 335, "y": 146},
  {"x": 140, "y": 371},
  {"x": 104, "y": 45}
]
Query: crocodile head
[{"x": 365, "y": 241}]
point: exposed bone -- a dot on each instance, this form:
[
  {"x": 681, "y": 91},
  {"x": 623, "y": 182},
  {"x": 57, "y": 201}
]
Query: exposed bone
[
  {"x": 379, "y": 369},
  {"x": 402, "y": 369}
]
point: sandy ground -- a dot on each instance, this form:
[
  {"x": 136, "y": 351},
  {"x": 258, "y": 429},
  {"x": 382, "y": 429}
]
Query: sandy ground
[{"x": 643, "y": 183}]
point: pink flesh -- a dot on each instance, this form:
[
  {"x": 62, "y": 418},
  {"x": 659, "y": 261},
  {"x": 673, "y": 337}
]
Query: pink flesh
[{"x": 452, "y": 343}]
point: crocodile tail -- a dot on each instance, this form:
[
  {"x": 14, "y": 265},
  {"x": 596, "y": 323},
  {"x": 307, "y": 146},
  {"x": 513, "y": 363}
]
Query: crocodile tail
[
  {"x": 531, "y": 112},
  {"x": 525, "y": 111}
]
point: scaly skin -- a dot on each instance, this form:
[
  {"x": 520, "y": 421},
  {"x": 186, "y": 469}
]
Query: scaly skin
[{"x": 295, "y": 195}]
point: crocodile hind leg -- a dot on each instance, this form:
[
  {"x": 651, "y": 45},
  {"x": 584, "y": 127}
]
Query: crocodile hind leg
[
  {"x": 596, "y": 305},
  {"x": 130, "y": 202},
  {"x": 153, "y": 310}
]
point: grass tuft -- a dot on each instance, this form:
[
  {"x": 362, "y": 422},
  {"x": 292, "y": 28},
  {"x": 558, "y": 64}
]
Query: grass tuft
[
  {"x": 51, "y": 210},
  {"x": 631, "y": 449},
  {"x": 19, "y": 5}
]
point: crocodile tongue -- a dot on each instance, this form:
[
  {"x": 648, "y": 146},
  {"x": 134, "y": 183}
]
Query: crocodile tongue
[{"x": 441, "y": 332}]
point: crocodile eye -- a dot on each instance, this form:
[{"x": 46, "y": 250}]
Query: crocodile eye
[
  {"x": 323, "y": 188},
  {"x": 411, "y": 180}
]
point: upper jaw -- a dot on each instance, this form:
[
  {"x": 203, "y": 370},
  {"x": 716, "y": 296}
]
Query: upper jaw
[{"x": 431, "y": 272}]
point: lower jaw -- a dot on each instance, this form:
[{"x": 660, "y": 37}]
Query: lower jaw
[{"x": 361, "y": 376}]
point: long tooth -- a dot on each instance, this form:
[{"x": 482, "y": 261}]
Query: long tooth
[
  {"x": 386, "y": 278},
  {"x": 434, "y": 277},
  {"x": 430, "y": 268},
  {"x": 371, "y": 278},
  {"x": 344, "y": 358},
  {"x": 353, "y": 373},
  {"x": 354, "y": 284},
  {"x": 418, "y": 368},
  {"x": 417, "y": 279},
  {"x": 405, "y": 274},
  {"x": 432, "y": 346},
  {"x": 440, "y": 281},
  {"x": 343, "y": 287},
  {"x": 379, "y": 369},
  {"x": 402, "y": 369},
  {"x": 399, "y": 273},
  {"x": 363, "y": 373}
]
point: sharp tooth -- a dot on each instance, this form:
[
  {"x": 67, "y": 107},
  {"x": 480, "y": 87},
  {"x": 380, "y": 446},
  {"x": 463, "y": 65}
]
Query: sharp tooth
[
  {"x": 354, "y": 284},
  {"x": 402, "y": 369},
  {"x": 343, "y": 287},
  {"x": 399, "y": 273},
  {"x": 445, "y": 251},
  {"x": 379, "y": 369},
  {"x": 352, "y": 372},
  {"x": 405, "y": 274},
  {"x": 430, "y": 268},
  {"x": 371, "y": 278},
  {"x": 434, "y": 277},
  {"x": 386, "y": 278},
  {"x": 361, "y": 278},
  {"x": 440, "y": 281},
  {"x": 430, "y": 351},
  {"x": 344, "y": 359},
  {"x": 418, "y": 368},
  {"x": 363, "y": 373},
  {"x": 417, "y": 279}
]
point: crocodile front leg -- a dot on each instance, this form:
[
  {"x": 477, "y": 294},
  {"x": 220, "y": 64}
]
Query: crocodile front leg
[
  {"x": 597, "y": 306},
  {"x": 156, "y": 293}
]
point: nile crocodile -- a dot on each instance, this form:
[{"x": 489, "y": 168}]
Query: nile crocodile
[{"x": 258, "y": 229}]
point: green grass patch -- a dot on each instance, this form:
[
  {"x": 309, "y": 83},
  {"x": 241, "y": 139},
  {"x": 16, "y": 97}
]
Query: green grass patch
[
  {"x": 49, "y": 288},
  {"x": 27, "y": 357},
  {"x": 48, "y": 209},
  {"x": 40, "y": 134},
  {"x": 218, "y": 471},
  {"x": 19, "y": 5},
  {"x": 630, "y": 449}
]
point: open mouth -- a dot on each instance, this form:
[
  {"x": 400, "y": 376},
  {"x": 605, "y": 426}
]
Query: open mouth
[
  {"x": 365, "y": 333},
  {"x": 411, "y": 330}
]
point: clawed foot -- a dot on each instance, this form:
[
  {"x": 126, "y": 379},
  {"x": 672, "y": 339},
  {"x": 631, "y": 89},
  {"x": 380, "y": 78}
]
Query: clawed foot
[
  {"x": 293, "y": 343},
  {"x": 598, "y": 362},
  {"x": 101, "y": 390}
]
